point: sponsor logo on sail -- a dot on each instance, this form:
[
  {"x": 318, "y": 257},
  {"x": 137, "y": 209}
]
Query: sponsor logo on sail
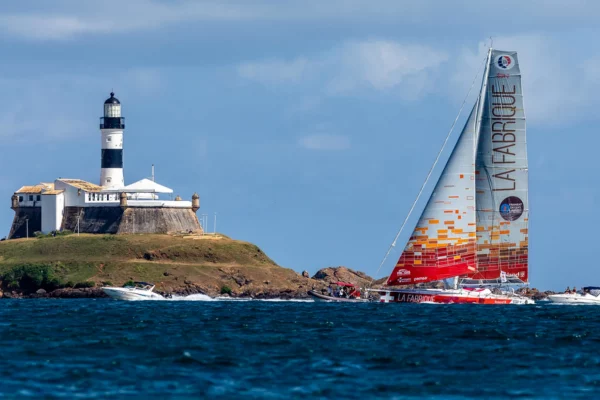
[
  {"x": 505, "y": 62},
  {"x": 403, "y": 272},
  {"x": 511, "y": 208},
  {"x": 420, "y": 278}
]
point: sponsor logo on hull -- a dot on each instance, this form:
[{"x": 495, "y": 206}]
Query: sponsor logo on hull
[{"x": 443, "y": 299}]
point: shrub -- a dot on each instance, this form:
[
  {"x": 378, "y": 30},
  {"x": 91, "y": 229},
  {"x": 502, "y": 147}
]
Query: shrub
[
  {"x": 129, "y": 283},
  {"x": 31, "y": 277},
  {"x": 225, "y": 289},
  {"x": 53, "y": 283},
  {"x": 69, "y": 284},
  {"x": 41, "y": 235},
  {"x": 107, "y": 283},
  {"x": 85, "y": 284}
]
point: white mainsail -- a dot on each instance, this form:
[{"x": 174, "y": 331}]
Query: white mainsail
[{"x": 502, "y": 173}]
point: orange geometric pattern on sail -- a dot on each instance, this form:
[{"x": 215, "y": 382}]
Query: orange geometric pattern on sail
[
  {"x": 443, "y": 243},
  {"x": 432, "y": 262}
]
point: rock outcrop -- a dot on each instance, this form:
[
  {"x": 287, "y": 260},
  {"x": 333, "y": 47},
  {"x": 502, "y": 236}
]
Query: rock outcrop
[{"x": 343, "y": 274}]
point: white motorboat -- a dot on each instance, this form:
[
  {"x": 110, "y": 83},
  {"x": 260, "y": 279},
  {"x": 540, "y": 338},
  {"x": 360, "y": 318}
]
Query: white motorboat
[
  {"x": 137, "y": 291},
  {"x": 589, "y": 295}
]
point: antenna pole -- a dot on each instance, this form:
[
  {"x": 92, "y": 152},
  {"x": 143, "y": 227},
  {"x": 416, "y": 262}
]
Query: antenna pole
[{"x": 152, "y": 172}]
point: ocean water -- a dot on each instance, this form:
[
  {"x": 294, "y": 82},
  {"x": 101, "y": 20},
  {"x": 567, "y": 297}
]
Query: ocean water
[{"x": 280, "y": 350}]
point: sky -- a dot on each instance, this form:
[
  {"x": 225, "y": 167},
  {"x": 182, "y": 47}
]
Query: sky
[{"x": 308, "y": 126}]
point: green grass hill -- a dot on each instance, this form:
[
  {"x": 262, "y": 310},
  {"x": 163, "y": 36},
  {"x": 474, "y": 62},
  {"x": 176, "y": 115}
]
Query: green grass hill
[{"x": 182, "y": 264}]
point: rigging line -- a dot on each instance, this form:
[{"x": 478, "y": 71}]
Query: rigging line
[{"x": 428, "y": 175}]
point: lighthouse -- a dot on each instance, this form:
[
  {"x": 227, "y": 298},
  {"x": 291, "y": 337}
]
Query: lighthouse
[{"x": 112, "y": 125}]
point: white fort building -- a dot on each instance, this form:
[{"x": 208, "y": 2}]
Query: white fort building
[{"x": 108, "y": 207}]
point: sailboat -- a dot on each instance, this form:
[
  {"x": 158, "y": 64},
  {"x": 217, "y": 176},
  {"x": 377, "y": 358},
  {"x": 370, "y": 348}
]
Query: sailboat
[{"x": 473, "y": 232}]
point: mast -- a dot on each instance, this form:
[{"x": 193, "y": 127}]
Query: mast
[
  {"x": 480, "y": 109},
  {"x": 481, "y": 100}
]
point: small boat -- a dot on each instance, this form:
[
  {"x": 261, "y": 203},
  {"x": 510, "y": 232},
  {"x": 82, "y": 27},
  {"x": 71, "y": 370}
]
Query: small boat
[
  {"x": 589, "y": 295},
  {"x": 137, "y": 291},
  {"x": 341, "y": 292},
  {"x": 474, "y": 226}
]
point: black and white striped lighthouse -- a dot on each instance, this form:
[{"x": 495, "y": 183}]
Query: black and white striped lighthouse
[{"x": 111, "y": 127}]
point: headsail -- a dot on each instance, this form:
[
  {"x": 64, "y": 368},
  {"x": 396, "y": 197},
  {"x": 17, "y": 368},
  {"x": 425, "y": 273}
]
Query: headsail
[
  {"x": 443, "y": 243},
  {"x": 501, "y": 174}
]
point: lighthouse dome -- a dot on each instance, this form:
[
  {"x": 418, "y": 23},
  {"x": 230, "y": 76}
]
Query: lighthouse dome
[
  {"x": 112, "y": 107},
  {"x": 112, "y": 99}
]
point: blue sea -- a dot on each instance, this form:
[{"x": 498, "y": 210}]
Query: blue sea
[{"x": 280, "y": 350}]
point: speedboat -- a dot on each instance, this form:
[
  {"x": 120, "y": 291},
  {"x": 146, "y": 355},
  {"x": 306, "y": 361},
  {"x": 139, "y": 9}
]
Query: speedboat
[
  {"x": 589, "y": 295},
  {"x": 137, "y": 291}
]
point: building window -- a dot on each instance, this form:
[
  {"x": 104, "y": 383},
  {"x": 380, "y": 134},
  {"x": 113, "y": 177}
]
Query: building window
[
  {"x": 30, "y": 197},
  {"x": 20, "y": 199},
  {"x": 38, "y": 197}
]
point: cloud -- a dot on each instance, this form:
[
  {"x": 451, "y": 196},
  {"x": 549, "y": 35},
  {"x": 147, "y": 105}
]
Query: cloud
[
  {"x": 379, "y": 65},
  {"x": 70, "y": 19},
  {"x": 75, "y": 18},
  {"x": 325, "y": 142},
  {"x": 384, "y": 65},
  {"x": 555, "y": 92}
]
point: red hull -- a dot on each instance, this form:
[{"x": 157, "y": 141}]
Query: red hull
[{"x": 451, "y": 297}]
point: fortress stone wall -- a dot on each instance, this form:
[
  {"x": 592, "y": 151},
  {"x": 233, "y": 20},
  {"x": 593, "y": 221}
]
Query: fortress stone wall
[
  {"x": 111, "y": 220},
  {"x": 25, "y": 216}
]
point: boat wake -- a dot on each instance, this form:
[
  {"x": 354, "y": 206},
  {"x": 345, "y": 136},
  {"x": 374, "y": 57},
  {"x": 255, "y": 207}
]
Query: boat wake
[{"x": 203, "y": 297}]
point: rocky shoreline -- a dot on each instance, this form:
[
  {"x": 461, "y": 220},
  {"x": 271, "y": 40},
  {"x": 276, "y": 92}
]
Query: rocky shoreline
[
  {"x": 302, "y": 283},
  {"x": 242, "y": 287},
  {"x": 98, "y": 293}
]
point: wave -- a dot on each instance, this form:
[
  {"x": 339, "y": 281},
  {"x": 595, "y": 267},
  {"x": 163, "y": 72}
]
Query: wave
[{"x": 203, "y": 297}]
